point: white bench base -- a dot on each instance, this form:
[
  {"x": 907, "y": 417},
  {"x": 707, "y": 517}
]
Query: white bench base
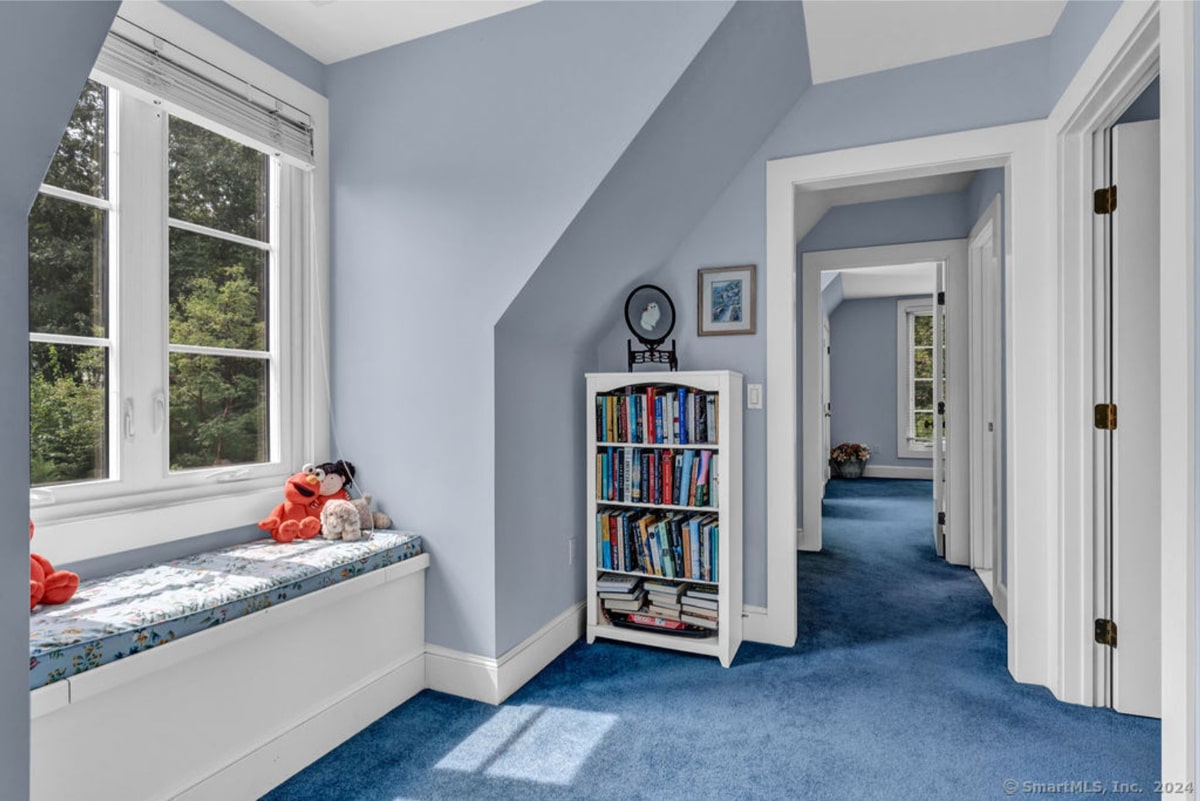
[{"x": 230, "y": 712}]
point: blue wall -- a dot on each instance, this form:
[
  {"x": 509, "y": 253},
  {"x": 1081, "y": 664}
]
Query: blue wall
[
  {"x": 695, "y": 142},
  {"x": 863, "y": 378},
  {"x": 46, "y": 52},
  {"x": 1001, "y": 85},
  {"x": 459, "y": 160}
]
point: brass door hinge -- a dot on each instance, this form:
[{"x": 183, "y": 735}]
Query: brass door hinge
[
  {"x": 1106, "y": 632},
  {"x": 1106, "y": 200},
  {"x": 1106, "y": 416}
]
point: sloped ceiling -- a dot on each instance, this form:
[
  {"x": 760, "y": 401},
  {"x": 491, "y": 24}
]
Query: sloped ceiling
[
  {"x": 856, "y": 38},
  {"x": 334, "y": 30},
  {"x": 844, "y": 38}
]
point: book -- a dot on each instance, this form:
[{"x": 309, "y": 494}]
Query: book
[
  {"x": 682, "y": 419},
  {"x": 652, "y": 620},
  {"x": 689, "y": 457},
  {"x": 665, "y": 587},
  {"x": 711, "y": 404},
  {"x": 695, "y": 620},
  {"x": 631, "y": 605},
  {"x": 615, "y": 582},
  {"x": 606, "y": 554},
  {"x": 660, "y": 611},
  {"x": 698, "y": 603}
]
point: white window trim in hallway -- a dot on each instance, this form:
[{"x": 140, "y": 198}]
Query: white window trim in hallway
[{"x": 908, "y": 445}]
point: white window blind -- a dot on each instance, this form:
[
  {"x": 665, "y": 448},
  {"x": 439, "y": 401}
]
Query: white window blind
[{"x": 147, "y": 65}]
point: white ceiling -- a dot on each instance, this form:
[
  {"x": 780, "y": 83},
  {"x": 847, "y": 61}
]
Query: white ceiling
[
  {"x": 854, "y": 38},
  {"x": 845, "y": 37},
  {"x": 891, "y": 281},
  {"x": 891, "y": 190},
  {"x": 333, "y": 30}
]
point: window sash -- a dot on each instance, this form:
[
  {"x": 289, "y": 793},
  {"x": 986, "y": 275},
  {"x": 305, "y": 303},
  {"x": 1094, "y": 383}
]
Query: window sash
[{"x": 138, "y": 345}]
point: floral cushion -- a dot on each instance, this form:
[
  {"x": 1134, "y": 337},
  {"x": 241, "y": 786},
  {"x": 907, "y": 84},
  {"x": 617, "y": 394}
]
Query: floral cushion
[{"x": 112, "y": 617}]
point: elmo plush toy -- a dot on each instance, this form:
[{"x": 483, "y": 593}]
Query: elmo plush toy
[
  {"x": 299, "y": 516},
  {"x": 47, "y": 585}
]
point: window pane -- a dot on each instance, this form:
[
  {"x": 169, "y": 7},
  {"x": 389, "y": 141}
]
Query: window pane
[
  {"x": 923, "y": 329},
  {"x": 217, "y": 182},
  {"x": 218, "y": 292},
  {"x": 923, "y": 394},
  {"x": 68, "y": 413},
  {"x": 80, "y": 163},
  {"x": 68, "y": 268},
  {"x": 923, "y": 425},
  {"x": 218, "y": 411},
  {"x": 923, "y": 363}
]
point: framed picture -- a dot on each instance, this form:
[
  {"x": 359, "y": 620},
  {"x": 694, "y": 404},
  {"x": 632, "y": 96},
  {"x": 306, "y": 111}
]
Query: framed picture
[{"x": 725, "y": 301}]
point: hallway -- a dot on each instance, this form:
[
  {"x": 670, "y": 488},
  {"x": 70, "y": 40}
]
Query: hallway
[{"x": 896, "y": 689}]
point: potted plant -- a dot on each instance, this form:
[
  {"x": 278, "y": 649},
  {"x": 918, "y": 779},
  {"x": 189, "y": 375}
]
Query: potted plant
[{"x": 848, "y": 459}]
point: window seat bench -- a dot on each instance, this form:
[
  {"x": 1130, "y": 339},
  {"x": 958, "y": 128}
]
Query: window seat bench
[{"x": 219, "y": 675}]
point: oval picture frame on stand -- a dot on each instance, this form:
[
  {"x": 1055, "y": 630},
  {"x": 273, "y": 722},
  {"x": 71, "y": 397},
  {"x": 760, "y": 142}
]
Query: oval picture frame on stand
[{"x": 650, "y": 316}]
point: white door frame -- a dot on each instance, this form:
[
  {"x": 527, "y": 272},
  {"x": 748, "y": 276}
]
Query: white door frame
[
  {"x": 1047, "y": 320},
  {"x": 794, "y": 204},
  {"x": 952, "y": 252},
  {"x": 1141, "y": 39},
  {"x": 983, "y": 276}
]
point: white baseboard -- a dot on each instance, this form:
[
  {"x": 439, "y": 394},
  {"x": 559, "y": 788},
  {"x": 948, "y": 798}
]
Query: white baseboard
[
  {"x": 804, "y": 545},
  {"x": 267, "y": 766},
  {"x": 492, "y": 680},
  {"x": 897, "y": 471},
  {"x": 1000, "y": 599}
]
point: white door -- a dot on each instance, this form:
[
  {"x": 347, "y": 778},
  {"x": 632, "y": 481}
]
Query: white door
[
  {"x": 941, "y": 467},
  {"x": 984, "y": 298},
  {"x": 826, "y": 404},
  {"x": 1136, "y": 530}
]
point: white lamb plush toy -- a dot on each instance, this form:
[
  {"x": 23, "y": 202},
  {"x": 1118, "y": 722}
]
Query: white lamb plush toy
[{"x": 340, "y": 521}]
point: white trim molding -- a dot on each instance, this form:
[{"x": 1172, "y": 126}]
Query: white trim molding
[
  {"x": 910, "y": 472},
  {"x": 492, "y": 680}
]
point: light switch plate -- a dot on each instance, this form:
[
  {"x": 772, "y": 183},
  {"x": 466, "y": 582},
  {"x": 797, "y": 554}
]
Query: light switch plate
[{"x": 754, "y": 396}]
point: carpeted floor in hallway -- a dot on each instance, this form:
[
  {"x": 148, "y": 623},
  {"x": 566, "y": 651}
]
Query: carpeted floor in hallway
[{"x": 896, "y": 689}]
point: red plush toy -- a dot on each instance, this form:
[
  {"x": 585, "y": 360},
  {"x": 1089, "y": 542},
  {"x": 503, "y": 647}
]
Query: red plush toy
[
  {"x": 47, "y": 585},
  {"x": 296, "y": 517}
]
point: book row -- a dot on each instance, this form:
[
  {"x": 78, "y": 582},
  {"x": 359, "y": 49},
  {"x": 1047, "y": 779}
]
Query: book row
[
  {"x": 694, "y": 605},
  {"x": 674, "y": 545},
  {"x": 662, "y": 415},
  {"x": 683, "y": 477}
]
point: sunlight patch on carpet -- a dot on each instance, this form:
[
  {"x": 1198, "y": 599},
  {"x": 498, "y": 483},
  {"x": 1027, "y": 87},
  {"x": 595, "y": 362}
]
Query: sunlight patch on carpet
[{"x": 547, "y": 745}]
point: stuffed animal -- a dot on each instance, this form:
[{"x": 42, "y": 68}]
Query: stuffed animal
[
  {"x": 334, "y": 476},
  {"x": 296, "y": 516},
  {"x": 47, "y": 585},
  {"x": 340, "y": 521},
  {"x": 370, "y": 520},
  {"x": 351, "y": 520}
]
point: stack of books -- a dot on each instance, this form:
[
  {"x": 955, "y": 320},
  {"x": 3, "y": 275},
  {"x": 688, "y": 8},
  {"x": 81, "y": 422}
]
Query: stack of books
[
  {"x": 663, "y": 598},
  {"x": 623, "y": 594},
  {"x": 699, "y": 607}
]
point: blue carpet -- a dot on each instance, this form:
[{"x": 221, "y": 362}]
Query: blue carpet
[{"x": 896, "y": 689}]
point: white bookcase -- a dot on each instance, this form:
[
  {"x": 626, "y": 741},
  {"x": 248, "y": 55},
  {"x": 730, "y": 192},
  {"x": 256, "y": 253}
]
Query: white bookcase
[{"x": 724, "y": 506}]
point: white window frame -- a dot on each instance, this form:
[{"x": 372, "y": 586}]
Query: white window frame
[
  {"x": 98, "y": 518},
  {"x": 907, "y": 446}
]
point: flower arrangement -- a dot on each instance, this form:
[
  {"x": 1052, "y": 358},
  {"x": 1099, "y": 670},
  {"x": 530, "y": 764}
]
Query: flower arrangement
[{"x": 850, "y": 452}]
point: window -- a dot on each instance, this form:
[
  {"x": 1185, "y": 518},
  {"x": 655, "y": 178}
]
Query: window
[
  {"x": 915, "y": 377},
  {"x": 168, "y": 278}
]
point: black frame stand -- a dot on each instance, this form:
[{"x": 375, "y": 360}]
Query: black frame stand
[{"x": 651, "y": 355}]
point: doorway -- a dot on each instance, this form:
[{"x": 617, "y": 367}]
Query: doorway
[{"x": 930, "y": 269}]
